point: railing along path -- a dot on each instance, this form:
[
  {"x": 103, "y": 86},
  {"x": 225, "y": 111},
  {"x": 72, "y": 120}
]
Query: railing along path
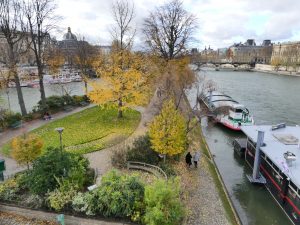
[{"x": 155, "y": 170}]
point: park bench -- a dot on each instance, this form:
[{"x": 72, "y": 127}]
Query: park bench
[
  {"x": 16, "y": 124},
  {"x": 83, "y": 103},
  {"x": 68, "y": 108}
]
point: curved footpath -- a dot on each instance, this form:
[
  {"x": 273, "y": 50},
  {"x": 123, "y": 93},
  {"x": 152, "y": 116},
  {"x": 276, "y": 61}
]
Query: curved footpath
[{"x": 11, "y": 166}]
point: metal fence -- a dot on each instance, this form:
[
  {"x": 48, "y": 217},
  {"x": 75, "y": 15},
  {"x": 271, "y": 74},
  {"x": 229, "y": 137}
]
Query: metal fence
[{"x": 147, "y": 167}]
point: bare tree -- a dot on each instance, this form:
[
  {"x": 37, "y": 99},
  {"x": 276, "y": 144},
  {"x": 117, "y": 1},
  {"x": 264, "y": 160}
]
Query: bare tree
[
  {"x": 10, "y": 27},
  {"x": 40, "y": 21},
  {"x": 168, "y": 29},
  {"x": 122, "y": 31},
  {"x": 84, "y": 58}
]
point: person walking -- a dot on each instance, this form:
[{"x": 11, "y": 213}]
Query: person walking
[
  {"x": 196, "y": 159},
  {"x": 188, "y": 159}
]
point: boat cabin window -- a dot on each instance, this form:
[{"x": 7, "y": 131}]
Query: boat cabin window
[
  {"x": 269, "y": 161},
  {"x": 292, "y": 193},
  {"x": 293, "y": 186},
  {"x": 251, "y": 142},
  {"x": 238, "y": 110}
]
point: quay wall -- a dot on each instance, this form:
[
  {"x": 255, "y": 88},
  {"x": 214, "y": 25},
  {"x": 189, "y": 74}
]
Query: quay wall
[{"x": 265, "y": 68}]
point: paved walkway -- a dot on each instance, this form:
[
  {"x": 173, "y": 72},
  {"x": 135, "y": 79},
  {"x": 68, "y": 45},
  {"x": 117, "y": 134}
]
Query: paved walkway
[{"x": 11, "y": 166}]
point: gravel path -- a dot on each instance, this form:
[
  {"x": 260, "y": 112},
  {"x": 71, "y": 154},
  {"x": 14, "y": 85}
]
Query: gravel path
[
  {"x": 205, "y": 203},
  {"x": 14, "y": 219}
]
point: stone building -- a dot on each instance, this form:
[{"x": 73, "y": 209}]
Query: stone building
[
  {"x": 68, "y": 45},
  {"x": 286, "y": 54},
  {"x": 27, "y": 58},
  {"x": 209, "y": 55},
  {"x": 249, "y": 52}
]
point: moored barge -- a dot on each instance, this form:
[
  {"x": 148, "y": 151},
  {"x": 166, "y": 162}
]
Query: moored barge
[
  {"x": 226, "y": 110},
  {"x": 275, "y": 158}
]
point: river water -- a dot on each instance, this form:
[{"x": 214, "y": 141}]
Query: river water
[
  {"x": 32, "y": 95},
  {"x": 271, "y": 99}
]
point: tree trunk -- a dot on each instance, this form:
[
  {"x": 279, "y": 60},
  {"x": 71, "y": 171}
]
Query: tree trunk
[
  {"x": 120, "y": 113},
  {"x": 8, "y": 99},
  {"x": 85, "y": 87},
  {"x": 42, "y": 89},
  {"x": 20, "y": 94}
]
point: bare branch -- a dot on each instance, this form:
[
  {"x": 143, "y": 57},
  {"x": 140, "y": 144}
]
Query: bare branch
[
  {"x": 168, "y": 29},
  {"x": 122, "y": 31},
  {"x": 41, "y": 20}
]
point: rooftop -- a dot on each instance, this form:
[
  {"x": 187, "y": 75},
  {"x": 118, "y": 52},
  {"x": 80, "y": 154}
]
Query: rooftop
[{"x": 277, "y": 143}]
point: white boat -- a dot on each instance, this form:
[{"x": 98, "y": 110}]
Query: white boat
[
  {"x": 33, "y": 84},
  {"x": 226, "y": 110},
  {"x": 76, "y": 78},
  {"x": 60, "y": 80}
]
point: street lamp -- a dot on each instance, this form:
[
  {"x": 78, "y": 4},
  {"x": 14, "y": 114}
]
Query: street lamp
[{"x": 60, "y": 130}]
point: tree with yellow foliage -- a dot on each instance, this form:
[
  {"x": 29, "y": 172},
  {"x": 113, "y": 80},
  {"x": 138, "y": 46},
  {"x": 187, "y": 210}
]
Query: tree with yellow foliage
[
  {"x": 124, "y": 81},
  {"x": 168, "y": 131},
  {"x": 26, "y": 149},
  {"x": 276, "y": 62},
  {"x": 54, "y": 58}
]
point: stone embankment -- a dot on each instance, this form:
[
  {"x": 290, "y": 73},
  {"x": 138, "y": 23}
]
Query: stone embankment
[{"x": 280, "y": 71}]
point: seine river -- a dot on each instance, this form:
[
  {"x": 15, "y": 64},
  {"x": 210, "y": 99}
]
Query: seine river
[
  {"x": 32, "y": 95},
  {"x": 271, "y": 99}
]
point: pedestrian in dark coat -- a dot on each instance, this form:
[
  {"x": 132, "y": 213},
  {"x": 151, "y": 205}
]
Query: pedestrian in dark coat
[{"x": 188, "y": 159}]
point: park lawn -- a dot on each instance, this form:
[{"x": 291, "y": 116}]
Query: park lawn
[{"x": 89, "y": 130}]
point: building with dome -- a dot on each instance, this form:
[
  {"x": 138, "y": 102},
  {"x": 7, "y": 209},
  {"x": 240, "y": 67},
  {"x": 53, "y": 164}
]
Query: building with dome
[{"x": 69, "y": 46}]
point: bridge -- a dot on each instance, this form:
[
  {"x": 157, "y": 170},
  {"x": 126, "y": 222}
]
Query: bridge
[{"x": 219, "y": 64}]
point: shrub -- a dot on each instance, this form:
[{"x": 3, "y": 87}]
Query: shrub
[
  {"x": 57, "y": 164},
  {"x": 81, "y": 203},
  {"x": 167, "y": 168},
  {"x": 119, "y": 158},
  {"x": 118, "y": 196},
  {"x": 62, "y": 197},
  {"x": 9, "y": 189},
  {"x": 55, "y": 103},
  {"x": 77, "y": 99},
  {"x": 163, "y": 205},
  {"x": 8, "y": 118},
  {"x": 33, "y": 201},
  {"x": 141, "y": 151},
  {"x": 28, "y": 117}
]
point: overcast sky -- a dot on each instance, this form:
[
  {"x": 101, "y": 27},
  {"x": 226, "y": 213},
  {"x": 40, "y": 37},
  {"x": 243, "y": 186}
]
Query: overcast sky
[{"x": 221, "y": 22}]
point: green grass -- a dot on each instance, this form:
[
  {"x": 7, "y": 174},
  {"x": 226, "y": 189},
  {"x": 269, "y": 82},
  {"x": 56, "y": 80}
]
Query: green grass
[{"x": 89, "y": 130}]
